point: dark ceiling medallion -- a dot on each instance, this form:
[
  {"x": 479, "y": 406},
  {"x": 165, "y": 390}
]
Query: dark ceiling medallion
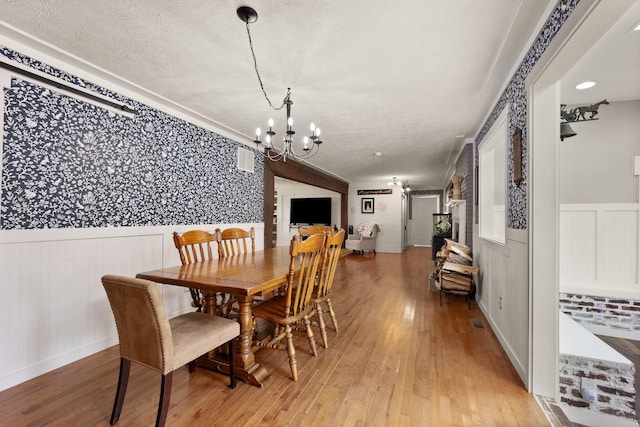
[{"x": 247, "y": 14}]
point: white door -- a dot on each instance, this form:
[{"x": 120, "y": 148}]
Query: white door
[{"x": 421, "y": 222}]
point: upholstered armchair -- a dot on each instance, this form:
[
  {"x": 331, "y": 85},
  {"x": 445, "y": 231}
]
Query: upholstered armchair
[{"x": 365, "y": 239}]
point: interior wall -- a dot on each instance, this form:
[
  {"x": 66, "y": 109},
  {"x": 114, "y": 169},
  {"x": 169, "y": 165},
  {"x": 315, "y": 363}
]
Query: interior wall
[
  {"x": 504, "y": 269},
  {"x": 299, "y": 172},
  {"x": 71, "y": 163},
  {"x": 387, "y": 213},
  {"x": 596, "y": 165},
  {"x": 85, "y": 192},
  {"x": 287, "y": 190},
  {"x": 52, "y": 303}
]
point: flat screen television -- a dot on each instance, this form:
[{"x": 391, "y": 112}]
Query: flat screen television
[{"x": 311, "y": 210}]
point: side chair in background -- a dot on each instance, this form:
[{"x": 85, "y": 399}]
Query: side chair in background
[
  {"x": 233, "y": 241},
  {"x": 305, "y": 231},
  {"x": 195, "y": 246}
]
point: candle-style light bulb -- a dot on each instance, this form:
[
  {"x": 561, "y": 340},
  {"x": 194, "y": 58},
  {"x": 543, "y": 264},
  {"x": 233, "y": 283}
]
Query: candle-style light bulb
[
  {"x": 270, "y": 123},
  {"x": 290, "y": 122},
  {"x": 258, "y": 132},
  {"x": 305, "y": 140},
  {"x": 317, "y": 131},
  {"x": 268, "y": 141},
  {"x": 312, "y": 127}
]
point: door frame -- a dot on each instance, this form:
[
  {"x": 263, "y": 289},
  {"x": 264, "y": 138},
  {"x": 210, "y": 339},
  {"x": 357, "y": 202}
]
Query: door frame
[
  {"x": 296, "y": 171},
  {"x": 587, "y": 23},
  {"x": 423, "y": 196}
]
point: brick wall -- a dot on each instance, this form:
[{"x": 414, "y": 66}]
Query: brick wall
[
  {"x": 613, "y": 313},
  {"x": 614, "y": 383}
]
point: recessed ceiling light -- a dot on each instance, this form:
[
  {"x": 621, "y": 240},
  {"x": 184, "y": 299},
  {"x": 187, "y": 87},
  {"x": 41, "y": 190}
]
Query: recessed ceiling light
[
  {"x": 585, "y": 85},
  {"x": 377, "y": 154}
]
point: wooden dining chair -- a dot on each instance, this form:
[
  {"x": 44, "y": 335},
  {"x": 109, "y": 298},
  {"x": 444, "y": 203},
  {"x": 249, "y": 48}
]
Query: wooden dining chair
[
  {"x": 149, "y": 338},
  {"x": 287, "y": 310},
  {"x": 305, "y": 231},
  {"x": 322, "y": 291},
  {"x": 233, "y": 241},
  {"x": 195, "y": 246}
]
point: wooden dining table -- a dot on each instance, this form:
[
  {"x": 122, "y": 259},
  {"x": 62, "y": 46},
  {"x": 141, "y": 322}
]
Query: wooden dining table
[{"x": 245, "y": 276}]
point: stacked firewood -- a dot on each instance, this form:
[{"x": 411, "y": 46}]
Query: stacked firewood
[{"x": 453, "y": 268}]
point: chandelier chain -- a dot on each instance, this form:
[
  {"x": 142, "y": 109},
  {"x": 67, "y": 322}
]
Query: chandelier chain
[
  {"x": 255, "y": 66},
  {"x": 273, "y": 151}
]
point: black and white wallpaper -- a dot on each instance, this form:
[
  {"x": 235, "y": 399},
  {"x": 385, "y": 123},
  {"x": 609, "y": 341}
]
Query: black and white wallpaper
[
  {"x": 515, "y": 98},
  {"x": 71, "y": 164}
]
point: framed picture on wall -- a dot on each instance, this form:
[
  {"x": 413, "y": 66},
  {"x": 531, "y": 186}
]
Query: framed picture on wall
[
  {"x": 517, "y": 156},
  {"x": 367, "y": 205}
]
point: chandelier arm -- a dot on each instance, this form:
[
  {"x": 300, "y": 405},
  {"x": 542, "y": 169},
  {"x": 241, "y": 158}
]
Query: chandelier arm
[
  {"x": 273, "y": 157},
  {"x": 312, "y": 151},
  {"x": 255, "y": 66}
]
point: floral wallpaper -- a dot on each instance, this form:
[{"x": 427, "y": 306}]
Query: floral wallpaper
[
  {"x": 515, "y": 98},
  {"x": 69, "y": 163}
]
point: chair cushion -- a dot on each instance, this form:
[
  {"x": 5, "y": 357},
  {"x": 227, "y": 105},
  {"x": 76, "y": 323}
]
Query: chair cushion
[
  {"x": 351, "y": 243},
  {"x": 194, "y": 334}
]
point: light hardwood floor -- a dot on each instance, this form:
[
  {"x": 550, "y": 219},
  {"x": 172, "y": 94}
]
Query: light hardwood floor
[{"x": 399, "y": 360}]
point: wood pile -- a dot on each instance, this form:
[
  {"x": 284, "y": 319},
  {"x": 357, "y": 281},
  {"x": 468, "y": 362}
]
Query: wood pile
[{"x": 454, "y": 270}]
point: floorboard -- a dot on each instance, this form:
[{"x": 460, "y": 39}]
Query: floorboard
[{"x": 399, "y": 360}]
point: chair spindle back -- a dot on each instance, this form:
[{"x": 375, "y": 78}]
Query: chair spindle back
[
  {"x": 233, "y": 241},
  {"x": 309, "y": 255},
  {"x": 332, "y": 249},
  {"x": 194, "y": 245}
]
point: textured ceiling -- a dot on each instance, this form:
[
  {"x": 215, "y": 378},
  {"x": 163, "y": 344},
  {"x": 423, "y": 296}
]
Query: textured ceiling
[
  {"x": 409, "y": 79},
  {"x": 613, "y": 62}
]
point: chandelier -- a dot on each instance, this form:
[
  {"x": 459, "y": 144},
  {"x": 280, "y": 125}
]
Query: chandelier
[
  {"x": 403, "y": 184},
  {"x": 286, "y": 150}
]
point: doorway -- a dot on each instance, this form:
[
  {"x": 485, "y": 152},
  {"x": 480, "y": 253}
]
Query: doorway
[
  {"x": 420, "y": 224},
  {"x": 284, "y": 191},
  {"x": 586, "y": 25},
  {"x": 303, "y": 173}
]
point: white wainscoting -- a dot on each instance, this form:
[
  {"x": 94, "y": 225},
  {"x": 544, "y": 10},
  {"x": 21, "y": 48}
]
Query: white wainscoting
[
  {"x": 503, "y": 293},
  {"x": 599, "y": 249},
  {"x": 52, "y": 305}
]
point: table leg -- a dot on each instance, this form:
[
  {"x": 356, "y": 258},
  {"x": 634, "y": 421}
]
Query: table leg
[
  {"x": 246, "y": 367},
  {"x": 209, "y": 304},
  {"x": 245, "y": 355}
]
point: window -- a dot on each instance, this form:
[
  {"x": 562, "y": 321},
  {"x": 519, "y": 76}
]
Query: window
[{"x": 492, "y": 181}]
